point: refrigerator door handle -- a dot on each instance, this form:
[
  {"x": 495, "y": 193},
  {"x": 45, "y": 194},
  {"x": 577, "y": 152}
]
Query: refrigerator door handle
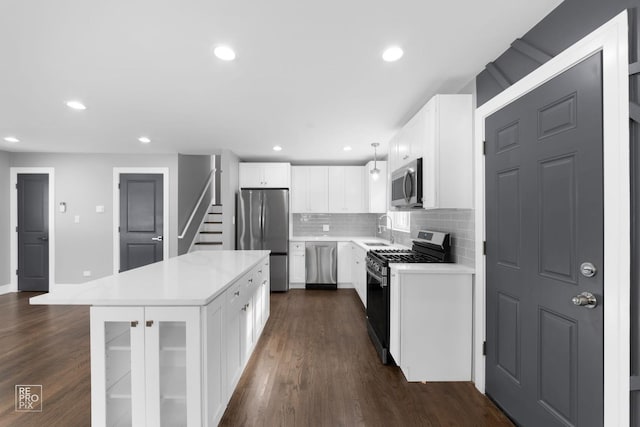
[{"x": 262, "y": 213}]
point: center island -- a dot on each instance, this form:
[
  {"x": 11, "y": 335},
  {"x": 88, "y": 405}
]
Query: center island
[{"x": 170, "y": 340}]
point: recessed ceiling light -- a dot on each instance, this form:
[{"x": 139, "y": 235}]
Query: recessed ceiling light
[
  {"x": 347, "y": 148},
  {"x": 11, "y": 139},
  {"x": 225, "y": 53},
  {"x": 76, "y": 105},
  {"x": 144, "y": 139},
  {"x": 392, "y": 54},
  {"x": 277, "y": 148}
]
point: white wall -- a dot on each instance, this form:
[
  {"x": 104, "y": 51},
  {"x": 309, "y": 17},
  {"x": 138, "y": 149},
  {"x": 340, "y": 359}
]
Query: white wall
[
  {"x": 228, "y": 190},
  {"x": 84, "y": 181}
]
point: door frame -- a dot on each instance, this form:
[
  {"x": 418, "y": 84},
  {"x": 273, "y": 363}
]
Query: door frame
[
  {"x": 117, "y": 171},
  {"x": 13, "y": 222},
  {"x": 612, "y": 40}
]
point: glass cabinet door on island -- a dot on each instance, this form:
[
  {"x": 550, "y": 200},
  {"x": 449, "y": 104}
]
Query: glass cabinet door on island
[{"x": 145, "y": 366}]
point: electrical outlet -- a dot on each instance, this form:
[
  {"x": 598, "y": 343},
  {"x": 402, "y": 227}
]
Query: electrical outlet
[
  {"x": 86, "y": 273},
  {"x": 99, "y": 209},
  {"x": 325, "y": 227},
  {"x": 76, "y": 219}
]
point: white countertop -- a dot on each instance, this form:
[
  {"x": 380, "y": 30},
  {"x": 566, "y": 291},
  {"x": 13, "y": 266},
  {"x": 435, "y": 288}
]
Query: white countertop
[
  {"x": 192, "y": 279},
  {"x": 433, "y": 268},
  {"x": 358, "y": 240}
]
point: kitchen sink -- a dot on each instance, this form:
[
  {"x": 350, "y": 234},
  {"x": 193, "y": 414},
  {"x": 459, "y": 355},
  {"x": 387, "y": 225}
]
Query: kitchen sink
[{"x": 375, "y": 244}]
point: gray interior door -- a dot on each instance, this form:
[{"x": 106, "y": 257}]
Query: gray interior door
[
  {"x": 33, "y": 232},
  {"x": 544, "y": 218},
  {"x": 141, "y": 220}
]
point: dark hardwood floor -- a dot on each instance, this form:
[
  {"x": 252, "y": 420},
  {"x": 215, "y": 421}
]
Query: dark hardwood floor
[
  {"x": 315, "y": 366},
  {"x": 47, "y": 345}
]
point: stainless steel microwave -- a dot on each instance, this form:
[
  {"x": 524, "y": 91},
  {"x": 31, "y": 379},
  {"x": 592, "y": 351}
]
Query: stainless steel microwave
[{"x": 406, "y": 185}]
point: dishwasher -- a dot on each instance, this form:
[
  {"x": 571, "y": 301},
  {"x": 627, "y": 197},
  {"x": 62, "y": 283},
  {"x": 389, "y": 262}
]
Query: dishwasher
[{"x": 321, "y": 265}]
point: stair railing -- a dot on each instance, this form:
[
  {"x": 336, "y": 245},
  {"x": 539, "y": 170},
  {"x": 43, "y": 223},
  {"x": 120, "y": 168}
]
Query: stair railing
[{"x": 195, "y": 209}]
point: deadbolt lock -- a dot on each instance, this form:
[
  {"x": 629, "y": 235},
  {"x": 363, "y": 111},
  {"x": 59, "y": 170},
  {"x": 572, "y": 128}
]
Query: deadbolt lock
[{"x": 587, "y": 269}]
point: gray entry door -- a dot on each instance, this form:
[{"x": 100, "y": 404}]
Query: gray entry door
[
  {"x": 141, "y": 220},
  {"x": 33, "y": 232},
  {"x": 544, "y": 218}
]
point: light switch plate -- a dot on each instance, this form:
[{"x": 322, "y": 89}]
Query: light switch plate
[
  {"x": 99, "y": 209},
  {"x": 325, "y": 227},
  {"x": 76, "y": 219},
  {"x": 86, "y": 273}
]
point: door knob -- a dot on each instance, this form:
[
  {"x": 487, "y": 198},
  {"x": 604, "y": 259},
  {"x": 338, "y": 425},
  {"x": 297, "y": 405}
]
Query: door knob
[
  {"x": 587, "y": 269},
  {"x": 585, "y": 299},
  {"x": 43, "y": 238},
  {"x": 157, "y": 238}
]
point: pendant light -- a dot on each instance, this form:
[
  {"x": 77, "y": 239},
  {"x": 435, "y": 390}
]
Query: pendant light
[{"x": 375, "y": 172}]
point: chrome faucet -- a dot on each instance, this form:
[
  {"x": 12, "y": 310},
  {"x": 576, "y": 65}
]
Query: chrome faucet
[{"x": 389, "y": 227}]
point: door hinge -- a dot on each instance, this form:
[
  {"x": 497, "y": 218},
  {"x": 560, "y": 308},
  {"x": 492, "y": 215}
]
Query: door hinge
[
  {"x": 118, "y": 186},
  {"x": 16, "y": 185},
  {"x": 118, "y": 229},
  {"x": 484, "y": 148},
  {"x": 484, "y": 247},
  {"x": 16, "y": 272},
  {"x": 16, "y": 228},
  {"x": 484, "y": 348}
]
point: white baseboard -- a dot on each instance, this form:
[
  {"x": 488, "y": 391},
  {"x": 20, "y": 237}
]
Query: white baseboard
[
  {"x": 296, "y": 285},
  {"x": 5, "y": 289},
  {"x": 346, "y": 285}
]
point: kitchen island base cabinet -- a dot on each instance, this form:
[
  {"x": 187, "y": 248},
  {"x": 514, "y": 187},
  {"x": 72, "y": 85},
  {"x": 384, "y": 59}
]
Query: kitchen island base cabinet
[
  {"x": 176, "y": 365},
  {"x": 145, "y": 366},
  {"x": 431, "y": 325}
]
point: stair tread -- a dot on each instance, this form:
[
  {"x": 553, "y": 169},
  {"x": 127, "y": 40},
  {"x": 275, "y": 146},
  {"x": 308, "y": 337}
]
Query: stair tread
[
  {"x": 210, "y": 232},
  {"x": 208, "y": 243}
]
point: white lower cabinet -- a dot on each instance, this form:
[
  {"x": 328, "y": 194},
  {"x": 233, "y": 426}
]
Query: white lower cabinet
[
  {"x": 431, "y": 324},
  {"x": 297, "y": 263},
  {"x": 175, "y": 366},
  {"x": 359, "y": 272},
  {"x": 345, "y": 259},
  {"x": 145, "y": 366}
]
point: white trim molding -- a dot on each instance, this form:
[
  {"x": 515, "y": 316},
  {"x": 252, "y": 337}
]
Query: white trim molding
[
  {"x": 612, "y": 40},
  {"x": 13, "y": 222},
  {"x": 116, "y": 209},
  {"x": 5, "y": 289}
]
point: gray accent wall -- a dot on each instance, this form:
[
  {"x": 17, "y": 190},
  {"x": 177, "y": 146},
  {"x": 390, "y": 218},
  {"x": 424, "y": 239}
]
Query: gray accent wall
[
  {"x": 193, "y": 175},
  {"x": 356, "y": 225},
  {"x": 5, "y": 257},
  {"x": 229, "y": 165},
  {"x": 84, "y": 181}
]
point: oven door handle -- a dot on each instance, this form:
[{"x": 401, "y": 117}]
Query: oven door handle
[
  {"x": 381, "y": 279},
  {"x": 404, "y": 185}
]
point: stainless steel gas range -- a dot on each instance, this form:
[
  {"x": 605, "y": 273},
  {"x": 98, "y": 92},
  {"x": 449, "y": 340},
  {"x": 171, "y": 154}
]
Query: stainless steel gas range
[{"x": 430, "y": 246}]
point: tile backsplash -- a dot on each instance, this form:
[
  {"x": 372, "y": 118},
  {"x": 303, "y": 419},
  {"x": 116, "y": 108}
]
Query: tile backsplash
[
  {"x": 355, "y": 225},
  {"x": 458, "y": 222}
]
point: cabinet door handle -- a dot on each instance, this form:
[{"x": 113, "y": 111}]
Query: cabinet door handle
[
  {"x": 134, "y": 323},
  {"x": 260, "y": 271},
  {"x": 236, "y": 293},
  {"x": 149, "y": 323},
  {"x": 250, "y": 280}
]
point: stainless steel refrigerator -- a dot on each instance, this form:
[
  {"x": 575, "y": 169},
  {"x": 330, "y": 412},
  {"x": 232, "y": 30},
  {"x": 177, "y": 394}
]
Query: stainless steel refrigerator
[{"x": 262, "y": 223}]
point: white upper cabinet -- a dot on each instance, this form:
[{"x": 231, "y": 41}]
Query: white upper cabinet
[
  {"x": 346, "y": 189},
  {"x": 309, "y": 189},
  {"x": 440, "y": 133},
  {"x": 265, "y": 175},
  {"x": 376, "y": 189}
]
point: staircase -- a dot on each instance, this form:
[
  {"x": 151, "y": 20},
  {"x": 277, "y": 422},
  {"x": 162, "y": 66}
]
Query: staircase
[{"x": 210, "y": 234}]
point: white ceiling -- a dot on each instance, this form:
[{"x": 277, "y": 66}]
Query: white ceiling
[{"x": 308, "y": 75}]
